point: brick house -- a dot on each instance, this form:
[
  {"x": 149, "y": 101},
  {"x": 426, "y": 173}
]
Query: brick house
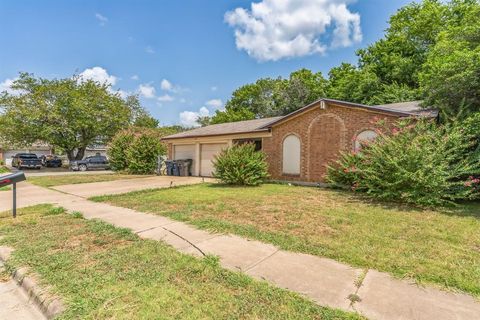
[{"x": 299, "y": 145}]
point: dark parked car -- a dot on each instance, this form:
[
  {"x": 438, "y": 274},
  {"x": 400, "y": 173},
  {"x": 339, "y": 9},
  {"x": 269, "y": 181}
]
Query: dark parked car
[
  {"x": 51, "y": 161},
  {"x": 26, "y": 160},
  {"x": 90, "y": 163}
]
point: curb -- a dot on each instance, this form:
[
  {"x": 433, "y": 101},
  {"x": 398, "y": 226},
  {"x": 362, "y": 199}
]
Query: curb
[{"x": 49, "y": 305}]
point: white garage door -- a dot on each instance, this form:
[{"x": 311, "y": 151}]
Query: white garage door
[
  {"x": 208, "y": 152},
  {"x": 185, "y": 151}
]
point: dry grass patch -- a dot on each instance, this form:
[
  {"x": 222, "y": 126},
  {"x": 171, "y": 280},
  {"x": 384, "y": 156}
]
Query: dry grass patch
[{"x": 431, "y": 246}]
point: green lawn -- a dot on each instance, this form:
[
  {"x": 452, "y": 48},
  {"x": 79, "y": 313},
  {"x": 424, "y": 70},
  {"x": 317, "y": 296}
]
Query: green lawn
[
  {"x": 52, "y": 181},
  {"x": 103, "y": 272},
  {"x": 440, "y": 247}
]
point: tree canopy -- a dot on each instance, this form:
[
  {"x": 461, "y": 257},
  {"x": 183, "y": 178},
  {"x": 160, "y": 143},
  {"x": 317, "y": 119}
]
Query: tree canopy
[
  {"x": 430, "y": 52},
  {"x": 70, "y": 113}
]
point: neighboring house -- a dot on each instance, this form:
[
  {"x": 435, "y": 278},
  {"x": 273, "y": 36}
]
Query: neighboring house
[
  {"x": 96, "y": 150},
  {"x": 299, "y": 145},
  {"x": 39, "y": 149}
]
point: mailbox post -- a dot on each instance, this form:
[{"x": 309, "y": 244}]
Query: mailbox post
[{"x": 12, "y": 179}]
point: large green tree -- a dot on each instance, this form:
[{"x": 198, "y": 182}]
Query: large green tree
[
  {"x": 70, "y": 113},
  {"x": 450, "y": 77},
  {"x": 271, "y": 97},
  {"x": 413, "y": 29}
]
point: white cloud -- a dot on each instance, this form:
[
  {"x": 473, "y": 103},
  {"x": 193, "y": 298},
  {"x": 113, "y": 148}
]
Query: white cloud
[
  {"x": 123, "y": 94},
  {"x": 149, "y": 49},
  {"x": 98, "y": 74},
  {"x": 214, "y": 88},
  {"x": 166, "y": 85},
  {"x": 278, "y": 29},
  {"x": 189, "y": 118},
  {"x": 166, "y": 98},
  {"x": 6, "y": 86},
  {"x": 102, "y": 76},
  {"x": 146, "y": 91},
  {"x": 214, "y": 103},
  {"x": 135, "y": 77},
  {"x": 101, "y": 19}
]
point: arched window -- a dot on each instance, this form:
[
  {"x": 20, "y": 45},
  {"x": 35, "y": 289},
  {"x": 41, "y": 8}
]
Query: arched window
[
  {"x": 362, "y": 137},
  {"x": 291, "y": 155}
]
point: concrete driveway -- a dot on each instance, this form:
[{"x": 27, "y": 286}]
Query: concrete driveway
[
  {"x": 28, "y": 194},
  {"x": 87, "y": 190}
]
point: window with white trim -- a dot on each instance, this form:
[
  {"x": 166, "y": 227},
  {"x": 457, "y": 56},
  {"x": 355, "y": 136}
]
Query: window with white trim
[
  {"x": 364, "y": 137},
  {"x": 291, "y": 155}
]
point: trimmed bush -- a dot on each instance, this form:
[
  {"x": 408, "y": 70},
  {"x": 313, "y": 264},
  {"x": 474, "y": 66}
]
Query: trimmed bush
[
  {"x": 419, "y": 163},
  {"x": 241, "y": 165}
]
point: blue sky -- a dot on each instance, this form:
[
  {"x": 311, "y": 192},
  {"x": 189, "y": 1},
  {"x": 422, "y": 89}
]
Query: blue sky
[{"x": 184, "y": 57}]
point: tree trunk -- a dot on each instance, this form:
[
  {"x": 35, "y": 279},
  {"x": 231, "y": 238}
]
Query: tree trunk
[
  {"x": 80, "y": 153},
  {"x": 72, "y": 156}
]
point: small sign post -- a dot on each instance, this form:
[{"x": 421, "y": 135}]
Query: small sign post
[{"x": 12, "y": 179}]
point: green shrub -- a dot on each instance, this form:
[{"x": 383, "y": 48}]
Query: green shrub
[
  {"x": 420, "y": 163},
  {"x": 117, "y": 151},
  {"x": 136, "y": 150},
  {"x": 142, "y": 154},
  {"x": 241, "y": 165}
]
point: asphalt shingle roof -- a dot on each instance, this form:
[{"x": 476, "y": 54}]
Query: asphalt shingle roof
[{"x": 226, "y": 128}]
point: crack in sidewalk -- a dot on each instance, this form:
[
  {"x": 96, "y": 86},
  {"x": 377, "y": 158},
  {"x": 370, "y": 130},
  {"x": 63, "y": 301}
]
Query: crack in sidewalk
[{"x": 354, "y": 297}]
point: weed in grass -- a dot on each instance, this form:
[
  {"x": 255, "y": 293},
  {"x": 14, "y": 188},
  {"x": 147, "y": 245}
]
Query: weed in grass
[
  {"x": 54, "y": 211},
  {"x": 77, "y": 215},
  {"x": 212, "y": 260},
  {"x": 354, "y": 298}
]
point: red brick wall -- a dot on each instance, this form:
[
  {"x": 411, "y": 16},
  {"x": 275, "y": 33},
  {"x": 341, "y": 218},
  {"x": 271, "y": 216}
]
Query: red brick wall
[{"x": 323, "y": 134}]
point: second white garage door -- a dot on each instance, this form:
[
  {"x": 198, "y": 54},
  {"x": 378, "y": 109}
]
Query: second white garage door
[{"x": 208, "y": 153}]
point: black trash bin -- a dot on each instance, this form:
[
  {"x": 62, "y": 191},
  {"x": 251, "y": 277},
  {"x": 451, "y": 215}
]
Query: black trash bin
[
  {"x": 185, "y": 167},
  {"x": 169, "y": 164},
  {"x": 176, "y": 168}
]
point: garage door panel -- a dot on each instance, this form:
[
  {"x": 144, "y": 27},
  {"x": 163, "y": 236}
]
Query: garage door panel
[
  {"x": 208, "y": 153},
  {"x": 185, "y": 151}
]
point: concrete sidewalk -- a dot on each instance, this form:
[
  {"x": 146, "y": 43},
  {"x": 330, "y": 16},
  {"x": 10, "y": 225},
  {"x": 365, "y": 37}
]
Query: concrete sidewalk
[{"x": 375, "y": 295}]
